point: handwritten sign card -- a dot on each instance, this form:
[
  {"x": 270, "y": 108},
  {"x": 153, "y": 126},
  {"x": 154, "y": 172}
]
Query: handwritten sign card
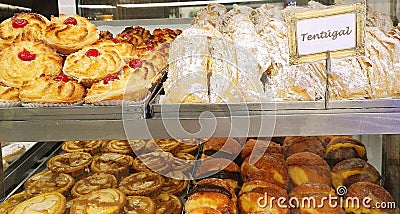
[{"x": 338, "y": 29}]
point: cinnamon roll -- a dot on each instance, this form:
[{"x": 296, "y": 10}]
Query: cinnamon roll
[
  {"x": 112, "y": 163},
  {"x": 142, "y": 183}
]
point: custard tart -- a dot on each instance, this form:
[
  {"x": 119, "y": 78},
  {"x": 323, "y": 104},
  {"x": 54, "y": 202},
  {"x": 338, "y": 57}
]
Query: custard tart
[
  {"x": 142, "y": 183},
  {"x": 24, "y": 61},
  {"x": 49, "y": 181},
  {"x": 174, "y": 186},
  {"x": 89, "y": 146},
  {"x": 74, "y": 164},
  {"x": 139, "y": 205},
  {"x": 13, "y": 201},
  {"x": 117, "y": 146},
  {"x": 104, "y": 201},
  {"x": 92, "y": 64},
  {"x": 92, "y": 183},
  {"x": 112, "y": 163},
  {"x": 22, "y": 27},
  {"x": 68, "y": 34},
  {"x": 168, "y": 203},
  {"x": 46, "y": 203}
]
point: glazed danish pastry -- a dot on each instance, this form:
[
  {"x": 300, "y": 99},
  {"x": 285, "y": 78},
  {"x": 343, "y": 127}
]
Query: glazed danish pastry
[
  {"x": 13, "y": 201},
  {"x": 142, "y": 183},
  {"x": 174, "y": 186},
  {"x": 24, "y": 61},
  {"x": 112, "y": 163},
  {"x": 89, "y": 146},
  {"x": 166, "y": 145},
  {"x": 188, "y": 146},
  {"x": 68, "y": 34},
  {"x": 46, "y": 203},
  {"x": 92, "y": 183},
  {"x": 139, "y": 204},
  {"x": 74, "y": 164},
  {"x": 168, "y": 203},
  {"x": 22, "y": 27},
  {"x": 117, "y": 146},
  {"x": 49, "y": 181},
  {"x": 124, "y": 49}
]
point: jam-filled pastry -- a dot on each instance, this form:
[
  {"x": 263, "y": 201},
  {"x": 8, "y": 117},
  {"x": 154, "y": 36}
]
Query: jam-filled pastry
[
  {"x": 49, "y": 181},
  {"x": 92, "y": 183},
  {"x": 344, "y": 148},
  {"x": 117, "y": 146},
  {"x": 377, "y": 195},
  {"x": 319, "y": 193},
  {"x": 307, "y": 167},
  {"x": 68, "y": 34},
  {"x": 139, "y": 205},
  {"x": 168, "y": 203},
  {"x": 137, "y": 36},
  {"x": 212, "y": 193},
  {"x": 74, "y": 164},
  {"x": 251, "y": 192},
  {"x": 13, "y": 201},
  {"x": 142, "y": 183},
  {"x": 303, "y": 144},
  {"x": 24, "y": 61},
  {"x": 112, "y": 163},
  {"x": 124, "y": 49},
  {"x": 174, "y": 186},
  {"x": 258, "y": 147},
  {"x": 89, "y": 146},
  {"x": 52, "y": 90},
  {"x": 104, "y": 201},
  {"x": 46, "y": 203},
  {"x": 92, "y": 64},
  {"x": 22, "y": 27},
  {"x": 353, "y": 170}
]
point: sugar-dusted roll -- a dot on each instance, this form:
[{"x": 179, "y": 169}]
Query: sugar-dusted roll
[
  {"x": 344, "y": 148},
  {"x": 303, "y": 144},
  {"x": 260, "y": 147}
]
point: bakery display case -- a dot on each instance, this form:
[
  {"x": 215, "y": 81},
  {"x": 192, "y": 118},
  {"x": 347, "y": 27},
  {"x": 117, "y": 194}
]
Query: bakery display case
[{"x": 353, "y": 135}]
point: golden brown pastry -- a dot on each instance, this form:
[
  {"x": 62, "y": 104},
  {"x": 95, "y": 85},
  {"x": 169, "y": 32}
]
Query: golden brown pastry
[
  {"x": 168, "y": 203},
  {"x": 134, "y": 35},
  {"x": 203, "y": 210},
  {"x": 112, "y": 163},
  {"x": 252, "y": 191},
  {"x": 377, "y": 195},
  {"x": 174, "y": 186},
  {"x": 268, "y": 168},
  {"x": 74, "y": 164},
  {"x": 184, "y": 156},
  {"x": 307, "y": 167},
  {"x": 11, "y": 202},
  {"x": 353, "y": 170},
  {"x": 158, "y": 56},
  {"x": 68, "y": 34},
  {"x": 212, "y": 193},
  {"x": 24, "y": 61},
  {"x": 164, "y": 35},
  {"x": 142, "y": 71},
  {"x": 124, "y": 49},
  {"x": 188, "y": 146},
  {"x": 303, "y": 144},
  {"x": 139, "y": 204},
  {"x": 227, "y": 148},
  {"x": 52, "y": 90},
  {"x": 166, "y": 145},
  {"x": 49, "y": 181},
  {"x": 104, "y": 201},
  {"x": 344, "y": 148},
  {"x": 22, "y": 27},
  {"x": 117, "y": 146},
  {"x": 92, "y": 183},
  {"x": 9, "y": 95},
  {"x": 46, "y": 203},
  {"x": 260, "y": 149},
  {"x": 92, "y": 64},
  {"x": 105, "y": 34},
  {"x": 89, "y": 146},
  {"x": 327, "y": 139},
  {"x": 142, "y": 183},
  {"x": 317, "y": 192}
]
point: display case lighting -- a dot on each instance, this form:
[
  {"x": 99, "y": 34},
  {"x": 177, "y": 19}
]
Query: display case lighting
[
  {"x": 97, "y": 6},
  {"x": 189, "y": 3}
]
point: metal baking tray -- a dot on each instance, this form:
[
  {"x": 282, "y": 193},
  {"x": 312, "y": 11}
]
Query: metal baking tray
[{"x": 364, "y": 104}]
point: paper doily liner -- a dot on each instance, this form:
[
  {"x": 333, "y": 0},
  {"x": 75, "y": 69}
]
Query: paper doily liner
[
  {"x": 52, "y": 104},
  {"x": 10, "y": 104}
]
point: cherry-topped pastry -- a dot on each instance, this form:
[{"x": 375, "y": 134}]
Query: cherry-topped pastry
[
  {"x": 61, "y": 77},
  {"x": 19, "y": 23},
  {"x": 135, "y": 63},
  {"x": 92, "y": 53},
  {"x": 25, "y": 55},
  {"x": 110, "y": 78},
  {"x": 70, "y": 21}
]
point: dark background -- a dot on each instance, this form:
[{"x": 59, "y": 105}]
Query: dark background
[{"x": 44, "y": 7}]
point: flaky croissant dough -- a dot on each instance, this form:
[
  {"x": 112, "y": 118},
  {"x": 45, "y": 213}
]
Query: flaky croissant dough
[
  {"x": 68, "y": 38},
  {"x": 8, "y": 93},
  {"x": 15, "y": 72},
  {"x": 47, "y": 90},
  {"x": 33, "y": 30}
]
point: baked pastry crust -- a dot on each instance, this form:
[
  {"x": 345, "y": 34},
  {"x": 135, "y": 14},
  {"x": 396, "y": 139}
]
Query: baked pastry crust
[
  {"x": 124, "y": 49},
  {"x": 12, "y": 151},
  {"x": 13, "y": 30},
  {"x": 144, "y": 71},
  {"x": 139, "y": 204},
  {"x": 49, "y": 181},
  {"x": 137, "y": 36},
  {"x": 86, "y": 68},
  {"x": 112, "y": 163},
  {"x": 11, "y": 202},
  {"x": 68, "y": 38},
  {"x": 174, "y": 186},
  {"x": 8, "y": 94},
  {"x": 104, "y": 201},
  {"x": 117, "y": 146},
  {"x": 188, "y": 146},
  {"x": 203, "y": 210},
  {"x": 89, "y": 146},
  {"x": 24, "y": 61},
  {"x": 47, "y": 90},
  {"x": 164, "y": 35},
  {"x": 92, "y": 183},
  {"x": 303, "y": 144},
  {"x": 142, "y": 183},
  {"x": 168, "y": 203},
  {"x": 344, "y": 148},
  {"x": 166, "y": 145},
  {"x": 249, "y": 149},
  {"x": 46, "y": 203},
  {"x": 74, "y": 164}
]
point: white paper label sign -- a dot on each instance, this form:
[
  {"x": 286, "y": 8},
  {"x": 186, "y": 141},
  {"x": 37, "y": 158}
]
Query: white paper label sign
[{"x": 329, "y": 33}]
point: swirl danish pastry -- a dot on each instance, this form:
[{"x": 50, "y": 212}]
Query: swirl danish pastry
[
  {"x": 46, "y": 203},
  {"x": 139, "y": 204},
  {"x": 112, "y": 163},
  {"x": 117, "y": 146},
  {"x": 52, "y": 90},
  {"x": 93, "y": 183},
  {"x": 89, "y": 146},
  {"x": 142, "y": 183},
  {"x": 49, "y": 181},
  {"x": 24, "y": 61},
  {"x": 93, "y": 63},
  {"x": 74, "y": 164},
  {"x": 22, "y": 27},
  {"x": 68, "y": 34}
]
